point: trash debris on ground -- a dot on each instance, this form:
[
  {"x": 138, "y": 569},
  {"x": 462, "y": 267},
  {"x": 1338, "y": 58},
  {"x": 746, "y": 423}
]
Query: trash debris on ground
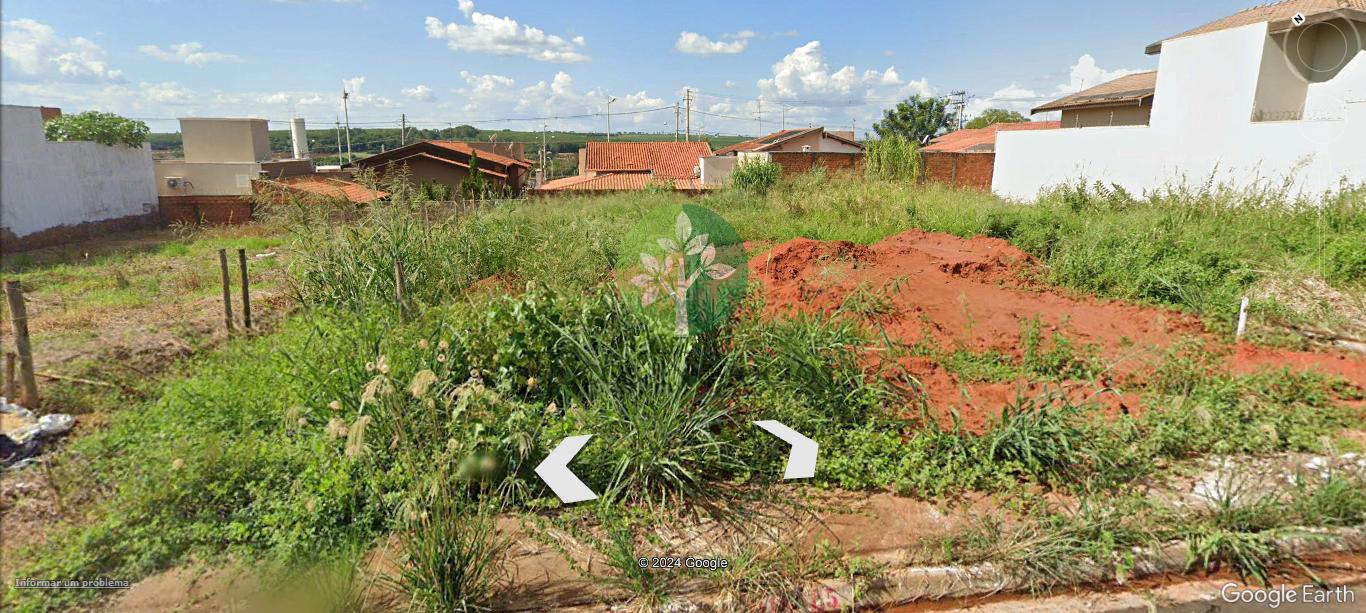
[{"x": 23, "y": 436}]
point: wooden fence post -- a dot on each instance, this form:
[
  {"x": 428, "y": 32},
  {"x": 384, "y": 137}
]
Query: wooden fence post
[
  {"x": 246, "y": 289},
  {"x": 19, "y": 323},
  {"x": 227, "y": 288},
  {"x": 11, "y": 386}
]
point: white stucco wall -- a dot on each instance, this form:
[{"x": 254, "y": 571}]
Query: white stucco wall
[
  {"x": 49, "y": 184},
  {"x": 1201, "y": 126}
]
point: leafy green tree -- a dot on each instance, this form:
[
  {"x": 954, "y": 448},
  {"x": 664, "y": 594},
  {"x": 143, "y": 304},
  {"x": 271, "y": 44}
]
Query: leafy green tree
[
  {"x": 105, "y": 128},
  {"x": 916, "y": 119},
  {"x": 475, "y": 185},
  {"x": 994, "y": 116}
]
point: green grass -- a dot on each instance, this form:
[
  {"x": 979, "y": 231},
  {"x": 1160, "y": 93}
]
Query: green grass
[{"x": 331, "y": 430}]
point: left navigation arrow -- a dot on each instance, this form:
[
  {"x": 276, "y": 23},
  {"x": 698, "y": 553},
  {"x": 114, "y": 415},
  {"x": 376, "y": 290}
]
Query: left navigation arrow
[{"x": 554, "y": 470}]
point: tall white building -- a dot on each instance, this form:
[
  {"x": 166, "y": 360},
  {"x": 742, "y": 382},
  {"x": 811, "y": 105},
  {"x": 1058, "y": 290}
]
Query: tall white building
[{"x": 1273, "y": 92}]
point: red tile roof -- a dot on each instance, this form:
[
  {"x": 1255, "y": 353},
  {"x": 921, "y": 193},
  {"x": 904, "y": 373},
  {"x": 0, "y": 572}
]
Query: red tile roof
[
  {"x": 983, "y": 139},
  {"x": 673, "y": 160},
  {"x": 615, "y": 181},
  {"x": 465, "y": 148},
  {"x": 330, "y": 187},
  {"x": 436, "y": 158},
  {"x": 772, "y": 141}
]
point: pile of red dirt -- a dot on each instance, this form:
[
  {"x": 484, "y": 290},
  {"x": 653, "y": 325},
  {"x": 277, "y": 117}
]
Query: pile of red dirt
[{"x": 979, "y": 295}]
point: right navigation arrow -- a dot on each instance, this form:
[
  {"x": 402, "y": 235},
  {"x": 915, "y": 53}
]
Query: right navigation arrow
[
  {"x": 801, "y": 463},
  {"x": 554, "y": 470}
]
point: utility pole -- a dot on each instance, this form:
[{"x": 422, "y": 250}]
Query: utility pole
[
  {"x": 675, "y": 121},
  {"x": 785, "y": 109},
  {"x": 339, "y": 152},
  {"x": 403, "y": 130},
  {"x": 544, "y": 174},
  {"x": 609, "y": 118},
  {"x": 961, "y": 103},
  {"x": 687, "y": 126},
  {"x": 347, "y": 111}
]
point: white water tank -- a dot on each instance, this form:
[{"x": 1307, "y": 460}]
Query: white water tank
[{"x": 299, "y": 136}]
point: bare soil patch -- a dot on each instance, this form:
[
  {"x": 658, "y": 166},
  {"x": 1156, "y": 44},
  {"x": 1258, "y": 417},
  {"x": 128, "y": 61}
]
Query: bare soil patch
[{"x": 978, "y": 294}]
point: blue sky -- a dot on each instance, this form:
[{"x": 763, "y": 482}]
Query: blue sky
[{"x": 456, "y": 61}]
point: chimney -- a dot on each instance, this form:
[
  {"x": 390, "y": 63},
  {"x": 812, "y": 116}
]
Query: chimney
[{"x": 299, "y": 136}]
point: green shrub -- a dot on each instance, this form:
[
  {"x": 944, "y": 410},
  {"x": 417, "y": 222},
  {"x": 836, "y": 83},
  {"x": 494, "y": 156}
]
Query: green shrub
[{"x": 756, "y": 176}]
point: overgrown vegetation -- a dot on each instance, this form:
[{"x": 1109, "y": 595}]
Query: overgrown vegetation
[
  {"x": 892, "y": 157},
  {"x": 437, "y": 357},
  {"x": 756, "y": 176}
]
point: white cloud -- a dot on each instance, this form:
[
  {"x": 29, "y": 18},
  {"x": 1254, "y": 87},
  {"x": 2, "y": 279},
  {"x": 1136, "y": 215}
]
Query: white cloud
[
  {"x": 693, "y": 43},
  {"x": 1083, "y": 74},
  {"x": 495, "y": 96},
  {"x": 168, "y": 92},
  {"x": 190, "y": 53},
  {"x": 421, "y": 93},
  {"x": 804, "y": 75},
  {"x": 504, "y": 36},
  {"x": 730, "y": 84},
  {"x": 34, "y": 50}
]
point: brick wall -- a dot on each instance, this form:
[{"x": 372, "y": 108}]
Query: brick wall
[
  {"x": 797, "y": 162},
  {"x": 206, "y": 209},
  {"x": 972, "y": 170}
]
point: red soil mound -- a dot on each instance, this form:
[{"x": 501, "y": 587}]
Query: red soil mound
[{"x": 975, "y": 294}]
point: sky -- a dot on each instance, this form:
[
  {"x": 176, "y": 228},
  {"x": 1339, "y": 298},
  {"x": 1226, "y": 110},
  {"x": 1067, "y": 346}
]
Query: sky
[{"x": 753, "y": 67}]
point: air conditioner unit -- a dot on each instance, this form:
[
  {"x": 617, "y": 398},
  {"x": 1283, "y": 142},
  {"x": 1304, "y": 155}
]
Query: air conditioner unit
[
  {"x": 806, "y": 148},
  {"x": 175, "y": 182}
]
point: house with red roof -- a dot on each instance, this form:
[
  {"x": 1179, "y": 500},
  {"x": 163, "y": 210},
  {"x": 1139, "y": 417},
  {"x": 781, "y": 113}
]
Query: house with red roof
[
  {"x": 967, "y": 158},
  {"x": 449, "y": 162},
  {"x": 612, "y": 167},
  {"x": 796, "y": 151}
]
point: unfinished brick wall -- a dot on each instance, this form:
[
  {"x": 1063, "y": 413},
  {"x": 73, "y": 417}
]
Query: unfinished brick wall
[
  {"x": 973, "y": 170},
  {"x": 797, "y": 162},
  {"x": 206, "y": 209}
]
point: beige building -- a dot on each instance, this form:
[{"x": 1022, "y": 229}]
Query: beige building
[
  {"x": 213, "y": 182},
  {"x": 222, "y": 157},
  {"x": 1126, "y": 101},
  {"x": 806, "y": 140}
]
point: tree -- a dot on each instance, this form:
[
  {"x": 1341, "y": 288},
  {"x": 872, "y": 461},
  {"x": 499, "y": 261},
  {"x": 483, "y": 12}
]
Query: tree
[
  {"x": 105, "y": 128},
  {"x": 474, "y": 186},
  {"x": 917, "y": 119},
  {"x": 994, "y": 116}
]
